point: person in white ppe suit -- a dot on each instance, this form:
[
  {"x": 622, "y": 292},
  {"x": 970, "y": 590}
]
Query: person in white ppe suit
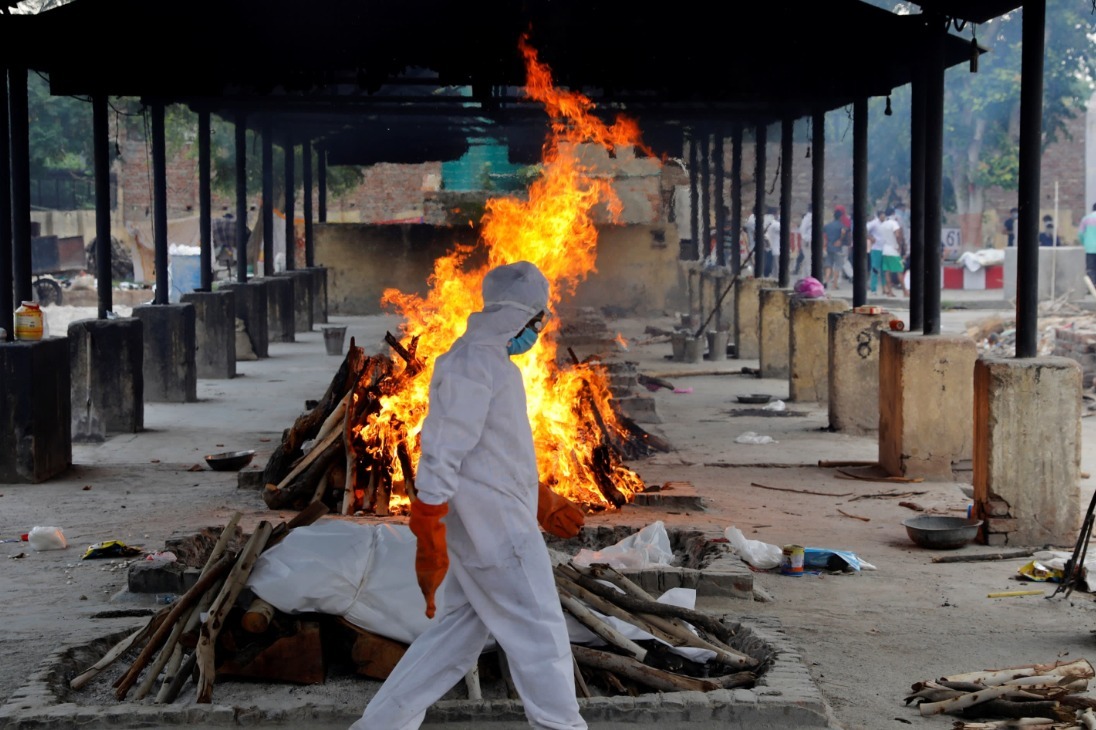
[{"x": 478, "y": 472}]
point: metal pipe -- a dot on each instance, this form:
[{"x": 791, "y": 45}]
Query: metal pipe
[
  {"x": 706, "y": 199},
  {"x": 1031, "y": 126},
  {"x": 205, "y": 202},
  {"x": 917, "y": 198},
  {"x": 20, "y": 183},
  {"x": 268, "y": 200},
  {"x": 290, "y": 191},
  {"x": 321, "y": 182},
  {"x": 934, "y": 169},
  {"x": 786, "y": 127},
  {"x": 7, "y": 290},
  {"x": 159, "y": 202},
  {"x": 694, "y": 194},
  {"x": 100, "y": 137},
  {"x": 241, "y": 197},
  {"x": 761, "y": 142},
  {"x": 819, "y": 214},
  {"x": 736, "y": 198},
  {"x": 859, "y": 202},
  {"x": 306, "y": 183}
]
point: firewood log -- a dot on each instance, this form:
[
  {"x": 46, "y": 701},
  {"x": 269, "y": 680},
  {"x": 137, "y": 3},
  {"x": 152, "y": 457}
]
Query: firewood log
[
  {"x": 656, "y": 679},
  {"x": 257, "y": 618},
  {"x": 1080, "y": 668},
  {"x": 298, "y": 488},
  {"x": 119, "y": 649},
  {"x": 602, "y": 629}
]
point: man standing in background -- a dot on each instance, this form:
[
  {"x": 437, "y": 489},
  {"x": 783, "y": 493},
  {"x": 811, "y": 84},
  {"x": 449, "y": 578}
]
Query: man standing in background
[
  {"x": 804, "y": 239},
  {"x": 1087, "y": 233}
]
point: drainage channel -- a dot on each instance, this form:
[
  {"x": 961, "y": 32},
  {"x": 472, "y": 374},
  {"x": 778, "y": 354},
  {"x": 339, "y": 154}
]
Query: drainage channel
[{"x": 784, "y": 695}]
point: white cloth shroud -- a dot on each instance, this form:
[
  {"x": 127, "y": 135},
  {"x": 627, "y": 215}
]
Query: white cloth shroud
[{"x": 366, "y": 574}]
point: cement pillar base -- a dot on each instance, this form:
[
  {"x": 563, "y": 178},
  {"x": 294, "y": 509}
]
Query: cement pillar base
[
  {"x": 1027, "y": 450},
  {"x": 926, "y": 403},
  {"x": 854, "y": 370},
  {"x": 171, "y": 374},
  {"x": 773, "y": 332},
  {"x": 251, "y": 311},
  {"x": 215, "y": 333},
  {"x": 35, "y": 414},
  {"x": 747, "y": 307},
  {"x": 302, "y": 299},
  {"x": 280, "y": 301},
  {"x": 809, "y": 347},
  {"x": 319, "y": 294},
  {"x": 106, "y": 359}
]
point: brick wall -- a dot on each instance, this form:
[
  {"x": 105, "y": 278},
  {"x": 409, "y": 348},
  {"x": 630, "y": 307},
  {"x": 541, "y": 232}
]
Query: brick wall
[{"x": 1078, "y": 344}]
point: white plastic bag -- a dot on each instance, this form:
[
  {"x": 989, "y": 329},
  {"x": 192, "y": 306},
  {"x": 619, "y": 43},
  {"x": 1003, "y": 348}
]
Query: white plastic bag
[
  {"x": 759, "y": 554},
  {"x": 650, "y": 546},
  {"x": 776, "y": 405},
  {"x": 47, "y": 538},
  {"x": 750, "y": 437}
]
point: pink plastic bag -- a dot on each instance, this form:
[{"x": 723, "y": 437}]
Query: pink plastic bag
[{"x": 810, "y": 288}]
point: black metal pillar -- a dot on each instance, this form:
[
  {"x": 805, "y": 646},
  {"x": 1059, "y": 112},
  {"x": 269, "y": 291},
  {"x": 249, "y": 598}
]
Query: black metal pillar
[
  {"x": 7, "y": 290},
  {"x": 321, "y": 185},
  {"x": 720, "y": 205},
  {"x": 786, "y": 126},
  {"x": 268, "y": 200},
  {"x": 706, "y": 192},
  {"x": 820, "y": 215},
  {"x": 1031, "y": 132},
  {"x": 934, "y": 169},
  {"x": 694, "y": 195},
  {"x": 859, "y": 202},
  {"x": 917, "y": 198},
  {"x": 241, "y": 198},
  {"x": 761, "y": 143},
  {"x": 205, "y": 201},
  {"x": 290, "y": 192},
  {"x": 736, "y": 198},
  {"x": 306, "y": 183},
  {"x": 100, "y": 138},
  {"x": 20, "y": 184},
  {"x": 159, "y": 202}
]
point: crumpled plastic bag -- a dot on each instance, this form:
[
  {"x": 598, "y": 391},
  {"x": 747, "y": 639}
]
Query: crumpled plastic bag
[
  {"x": 759, "y": 554},
  {"x": 650, "y": 546},
  {"x": 110, "y": 549},
  {"x": 834, "y": 560},
  {"x": 810, "y": 288},
  {"x": 1040, "y": 573},
  {"x": 776, "y": 405},
  {"x": 751, "y": 437}
]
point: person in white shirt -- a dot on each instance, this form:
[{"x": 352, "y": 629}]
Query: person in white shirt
[
  {"x": 804, "y": 239},
  {"x": 772, "y": 241},
  {"x": 876, "y": 253},
  {"x": 890, "y": 234}
]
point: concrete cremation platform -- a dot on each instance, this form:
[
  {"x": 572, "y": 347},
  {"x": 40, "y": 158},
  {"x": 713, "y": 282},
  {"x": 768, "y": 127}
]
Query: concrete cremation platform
[
  {"x": 215, "y": 332},
  {"x": 809, "y": 347},
  {"x": 251, "y": 311},
  {"x": 773, "y": 329},
  {"x": 926, "y": 403},
  {"x": 854, "y": 370},
  {"x": 302, "y": 299},
  {"x": 171, "y": 373},
  {"x": 281, "y": 322},
  {"x": 319, "y": 294},
  {"x": 35, "y": 411},
  {"x": 747, "y": 325},
  {"x": 1027, "y": 450},
  {"x": 106, "y": 358}
]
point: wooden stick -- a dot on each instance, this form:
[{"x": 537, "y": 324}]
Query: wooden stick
[
  {"x": 178, "y": 609},
  {"x": 177, "y": 683},
  {"x": 842, "y": 474},
  {"x": 257, "y": 618},
  {"x": 580, "y": 682},
  {"x": 335, "y": 418},
  {"x": 657, "y": 679},
  {"x": 118, "y": 650},
  {"x": 607, "y": 633},
  {"x": 220, "y": 607},
  {"x": 824, "y": 463},
  {"x": 172, "y": 668},
  {"x": 472, "y": 682},
  {"x": 1078, "y": 668},
  {"x": 311, "y": 456},
  {"x": 855, "y": 517},
  {"x": 800, "y": 491}
]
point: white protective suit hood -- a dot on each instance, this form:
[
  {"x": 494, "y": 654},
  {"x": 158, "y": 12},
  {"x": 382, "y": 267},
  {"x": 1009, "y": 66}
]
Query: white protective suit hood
[{"x": 512, "y": 295}]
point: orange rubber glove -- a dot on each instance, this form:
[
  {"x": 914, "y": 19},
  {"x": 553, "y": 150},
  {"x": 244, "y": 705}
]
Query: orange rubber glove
[
  {"x": 558, "y": 515},
  {"x": 431, "y": 554}
]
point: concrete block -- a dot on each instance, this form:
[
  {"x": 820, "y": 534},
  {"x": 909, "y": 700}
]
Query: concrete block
[
  {"x": 1027, "y": 447},
  {"x": 214, "y": 333},
  {"x": 809, "y": 347},
  {"x": 154, "y": 576},
  {"x": 853, "y": 377},
  {"x": 747, "y": 322},
  {"x": 773, "y": 328},
  {"x": 106, "y": 359},
  {"x": 280, "y": 302},
  {"x": 251, "y": 309},
  {"x": 319, "y": 294},
  {"x": 1061, "y": 273},
  {"x": 302, "y": 299},
  {"x": 171, "y": 373},
  {"x": 35, "y": 410},
  {"x": 926, "y": 403}
]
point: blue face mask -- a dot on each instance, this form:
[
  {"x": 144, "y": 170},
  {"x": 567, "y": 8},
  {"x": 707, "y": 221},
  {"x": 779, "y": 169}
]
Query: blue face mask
[{"x": 523, "y": 342}]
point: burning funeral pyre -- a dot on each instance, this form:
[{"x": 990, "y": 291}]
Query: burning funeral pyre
[{"x": 374, "y": 409}]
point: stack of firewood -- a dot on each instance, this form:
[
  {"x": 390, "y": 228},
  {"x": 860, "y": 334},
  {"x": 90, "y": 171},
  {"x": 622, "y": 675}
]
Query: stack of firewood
[
  {"x": 1032, "y": 696},
  {"x": 176, "y": 641},
  {"x": 328, "y": 456}
]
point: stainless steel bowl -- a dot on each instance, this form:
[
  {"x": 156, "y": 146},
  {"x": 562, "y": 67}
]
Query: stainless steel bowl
[
  {"x": 230, "y": 460},
  {"x": 938, "y": 532}
]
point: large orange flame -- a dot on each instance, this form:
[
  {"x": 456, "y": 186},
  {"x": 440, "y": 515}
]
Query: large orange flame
[{"x": 553, "y": 227}]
